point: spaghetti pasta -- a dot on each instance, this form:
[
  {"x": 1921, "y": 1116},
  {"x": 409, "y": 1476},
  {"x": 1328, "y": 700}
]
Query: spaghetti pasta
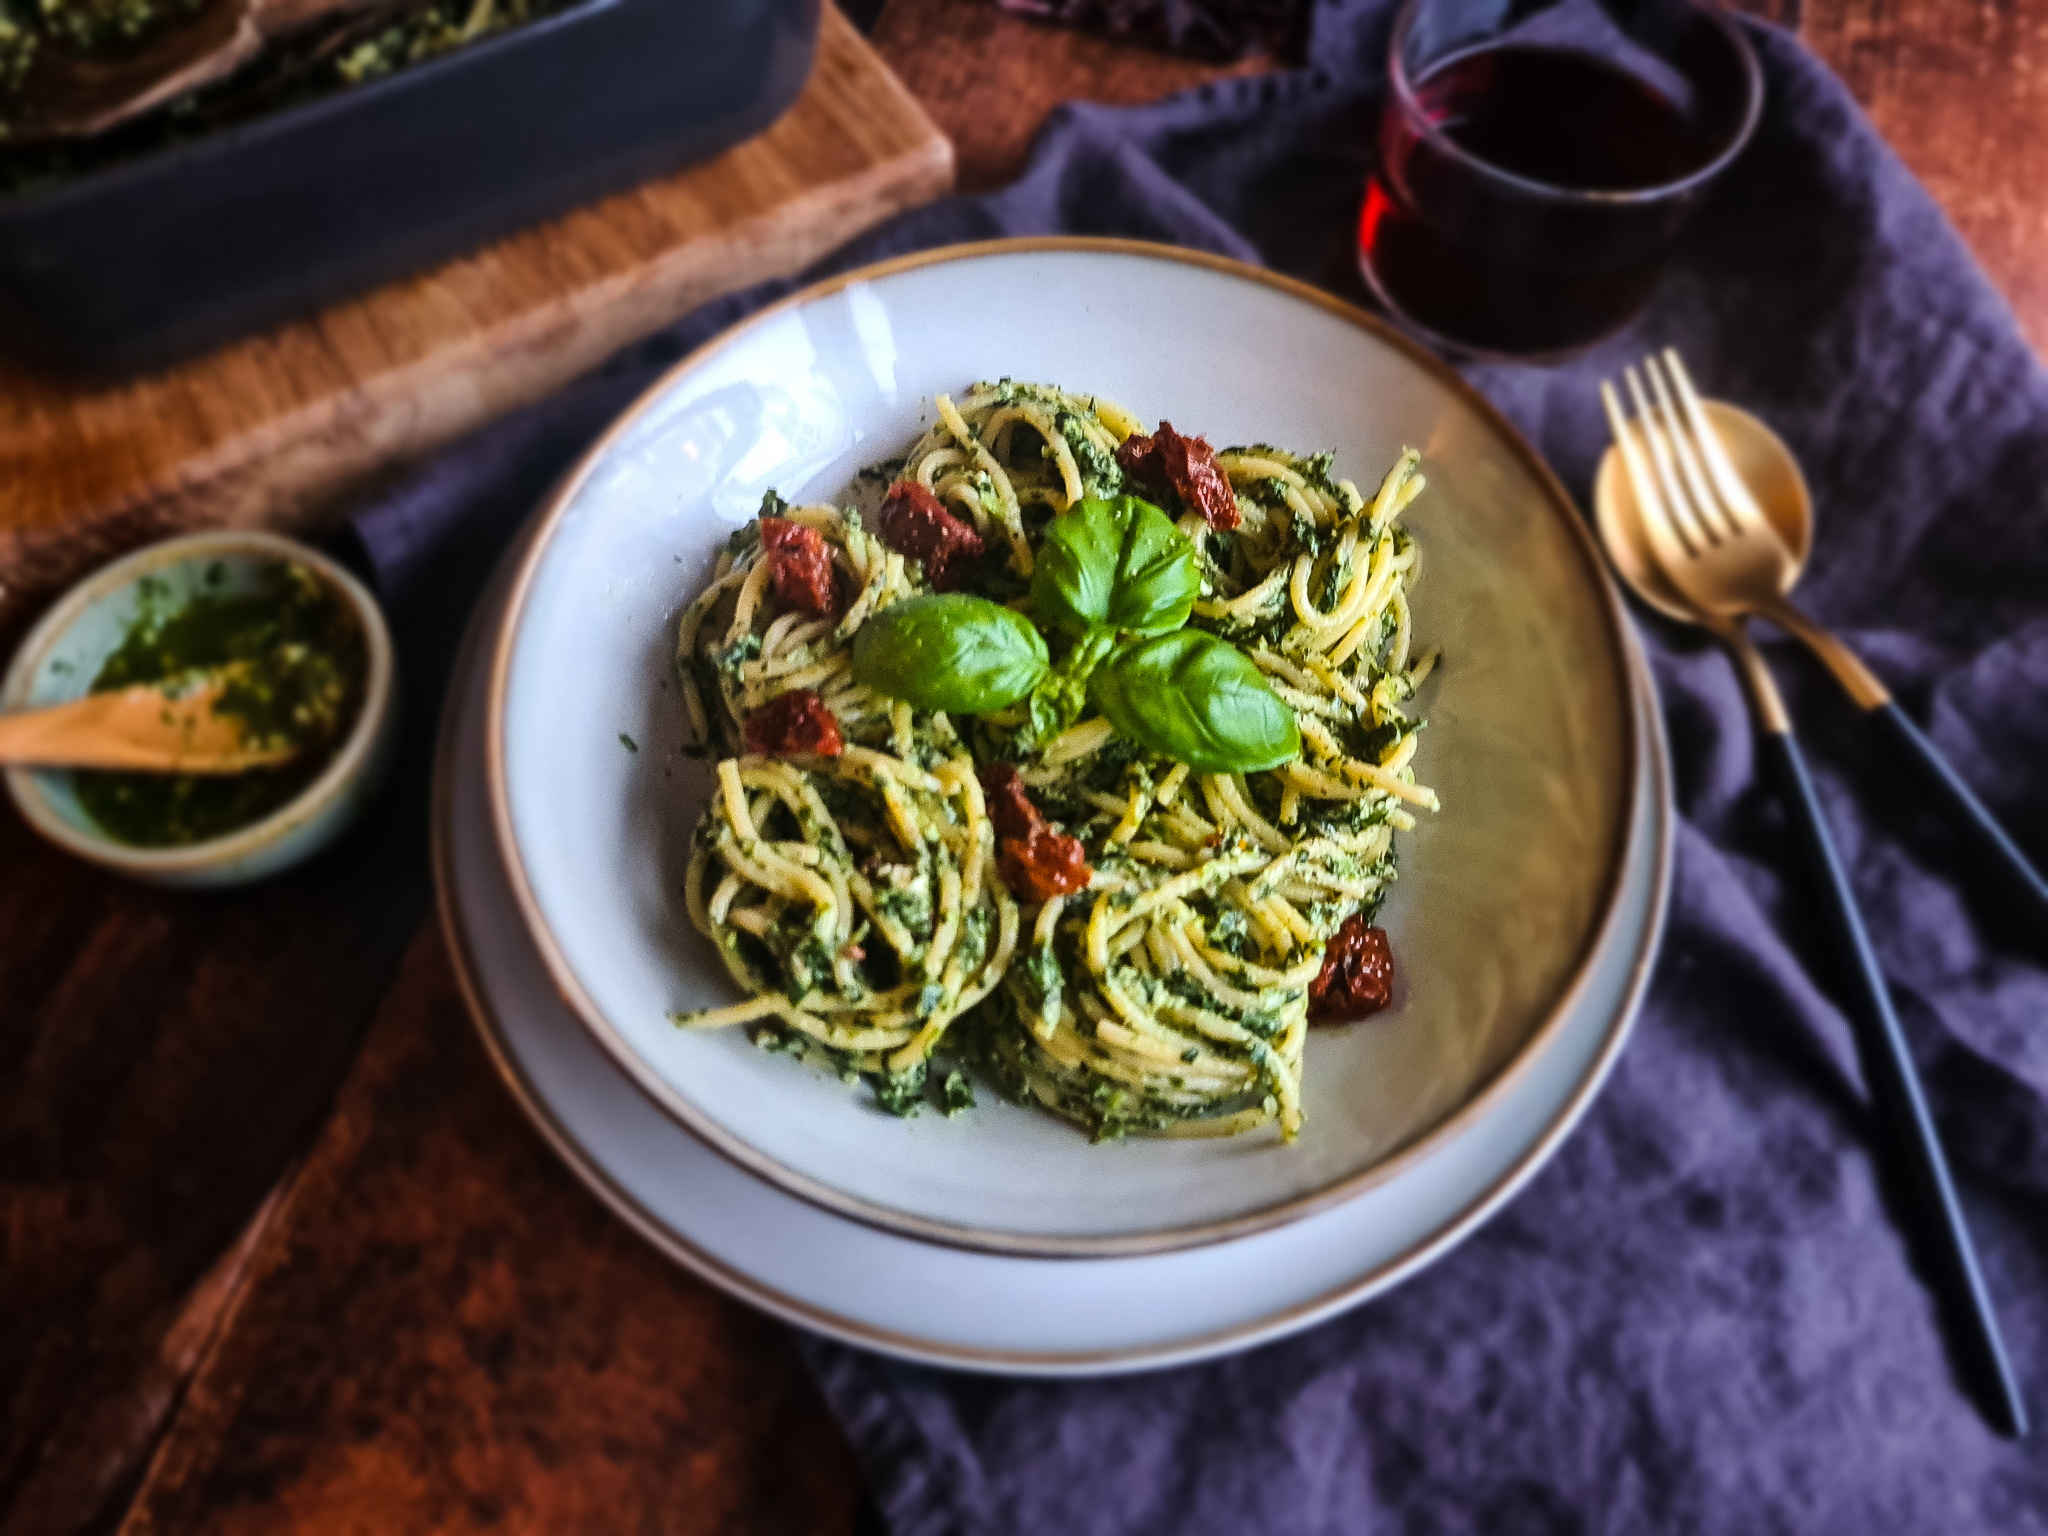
[{"x": 856, "y": 895}]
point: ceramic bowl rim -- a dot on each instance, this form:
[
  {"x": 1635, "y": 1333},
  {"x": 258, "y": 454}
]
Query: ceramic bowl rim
[
  {"x": 554, "y": 508},
  {"x": 193, "y": 858}
]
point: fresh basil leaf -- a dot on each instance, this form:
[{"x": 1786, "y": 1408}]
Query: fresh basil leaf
[
  {"x": 1121, "y": 564},
  {"x": 950, "y": 651},
  {"x": 1195, "y": 698},
  {"x": 1061, "y": 695}
]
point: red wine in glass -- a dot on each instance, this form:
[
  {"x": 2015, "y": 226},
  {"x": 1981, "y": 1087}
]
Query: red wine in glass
[{"x": 1526, "y": 196}]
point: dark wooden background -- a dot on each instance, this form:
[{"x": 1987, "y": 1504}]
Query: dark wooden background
[{"x": 278, "y": 1253}]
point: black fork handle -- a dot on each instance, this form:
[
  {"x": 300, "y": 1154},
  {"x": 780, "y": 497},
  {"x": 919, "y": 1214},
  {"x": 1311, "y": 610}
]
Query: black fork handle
[{"x": 1904, "y": 1124}]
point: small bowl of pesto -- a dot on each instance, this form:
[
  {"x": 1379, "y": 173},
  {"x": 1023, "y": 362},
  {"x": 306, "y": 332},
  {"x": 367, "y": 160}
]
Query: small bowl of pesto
[{"x": 311, "y": 663}]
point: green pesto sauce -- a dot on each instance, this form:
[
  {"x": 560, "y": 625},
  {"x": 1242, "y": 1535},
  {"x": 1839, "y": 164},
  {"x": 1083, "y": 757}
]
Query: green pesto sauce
[{"x": 303, "y": 666}]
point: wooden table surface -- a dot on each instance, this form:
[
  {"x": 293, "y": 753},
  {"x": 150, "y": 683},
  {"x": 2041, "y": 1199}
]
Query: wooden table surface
[{"x": 280, "y": 1254}]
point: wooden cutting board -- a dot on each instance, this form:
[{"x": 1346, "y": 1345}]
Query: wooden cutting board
[{"x": 276, "y": 430}]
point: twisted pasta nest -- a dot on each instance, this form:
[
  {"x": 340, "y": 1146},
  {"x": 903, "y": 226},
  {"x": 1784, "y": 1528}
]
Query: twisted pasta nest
[{"x": 856, "y": 898}]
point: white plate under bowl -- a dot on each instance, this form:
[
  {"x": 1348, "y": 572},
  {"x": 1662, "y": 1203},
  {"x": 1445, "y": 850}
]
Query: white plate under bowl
[
  {"x": 1532, "y": 739},
  {"x": 980, "y": 1311}
]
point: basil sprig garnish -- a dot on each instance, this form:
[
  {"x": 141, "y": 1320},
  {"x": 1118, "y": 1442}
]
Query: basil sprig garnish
[
  {"x": 1193, "y": 697},
  {"x": 1059, "y": 698},
  {"x": 1118, "y": 577},
  {"x": 952, "y": 652},
  {"x": 1118, "y": 565}
]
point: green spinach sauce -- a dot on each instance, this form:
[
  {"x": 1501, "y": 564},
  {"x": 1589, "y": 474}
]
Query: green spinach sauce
[{"x": 302, "y": 669}]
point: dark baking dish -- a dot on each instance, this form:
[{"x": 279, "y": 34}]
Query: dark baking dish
[{"x": 164, "y": 256}]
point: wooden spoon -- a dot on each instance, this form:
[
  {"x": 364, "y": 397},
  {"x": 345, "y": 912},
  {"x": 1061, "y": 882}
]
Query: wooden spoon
[
  {"x": 70, "y": 95},
  {"x": 145, "y": 728}
]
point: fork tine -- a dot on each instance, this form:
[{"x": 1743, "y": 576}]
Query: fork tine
[
  {"x": 1632, "y": 462},
  {"x": 1702, "y": 494},
  {"x": 1667, "y": 549},
  {"x": 1736, "y": 503},
  {"x": 1674, "y": 503}
]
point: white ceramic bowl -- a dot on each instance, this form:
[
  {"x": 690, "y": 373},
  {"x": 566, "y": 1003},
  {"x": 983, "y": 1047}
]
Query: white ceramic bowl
[
  {"x": 989, "y": 1311},
  {"x": 65, "y": 651},
  {"x": 1533, "y": 727}
]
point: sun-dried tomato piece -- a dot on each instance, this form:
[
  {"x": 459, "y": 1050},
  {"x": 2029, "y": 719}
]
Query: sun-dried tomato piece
[
  {"x": 916, "y": 524},
  {"x": 1187, "y": 467},
  {"x": 1035, "y": 862},
  {"x": 799, "y": 564},
  {"x": 1044, "y": 865},
  {"x": 1009, "y": 803},
  {"x": 1138, "y": 457},
  {"x": 792, "y": 724},
  {"x": 1357, "y": 978}
]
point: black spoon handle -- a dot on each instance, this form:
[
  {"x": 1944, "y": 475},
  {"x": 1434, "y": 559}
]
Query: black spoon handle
[
  {"x": 1992, "y": 853},
  {"x": 1904, "y": 1123}
]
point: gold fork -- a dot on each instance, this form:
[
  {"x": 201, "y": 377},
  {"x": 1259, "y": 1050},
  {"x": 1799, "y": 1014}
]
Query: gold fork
[{"x": 1714, "y": 560}]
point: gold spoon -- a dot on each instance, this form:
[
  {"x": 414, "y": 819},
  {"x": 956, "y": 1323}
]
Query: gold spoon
[
  {"x": 172, "y": 727},
  {"x": 1664, "y": 544},
  {"x": 66, "y": 94},
  {"x": 1739, "y": 543}
]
